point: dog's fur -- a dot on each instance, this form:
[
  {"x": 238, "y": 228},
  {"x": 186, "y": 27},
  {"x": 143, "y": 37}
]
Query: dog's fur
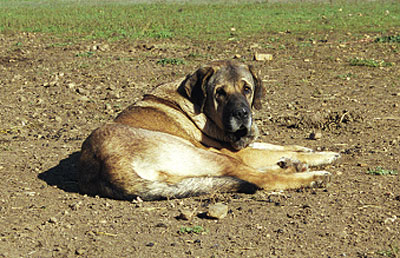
[{"x": 194, "y": 136}]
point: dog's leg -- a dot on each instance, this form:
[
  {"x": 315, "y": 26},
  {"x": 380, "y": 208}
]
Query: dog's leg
[
  {"x": 123, "y": 162},
  {"x": 260, "y": 158},
  {"x": 273, "y": 147}
]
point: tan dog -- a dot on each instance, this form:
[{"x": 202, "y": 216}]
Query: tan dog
[{"x": 194, "y": 136}]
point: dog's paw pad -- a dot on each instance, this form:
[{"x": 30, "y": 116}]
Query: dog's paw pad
[
  {"x": 321, "y": 179},
  {"x": 298, "y": 166}
]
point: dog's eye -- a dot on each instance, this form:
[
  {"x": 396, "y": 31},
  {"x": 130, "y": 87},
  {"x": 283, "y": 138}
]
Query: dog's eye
[
  {"x": 246, "y": 90},
  {"x": 220, "y": 93}
]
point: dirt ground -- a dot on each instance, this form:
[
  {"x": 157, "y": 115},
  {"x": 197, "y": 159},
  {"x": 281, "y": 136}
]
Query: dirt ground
[{"x": 55, "y": 92}]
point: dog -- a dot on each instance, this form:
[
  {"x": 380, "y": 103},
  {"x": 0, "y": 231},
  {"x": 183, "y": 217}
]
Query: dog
[{"x": 195, "y": 136}]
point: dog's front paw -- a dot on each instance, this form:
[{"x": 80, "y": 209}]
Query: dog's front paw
[
  {"x": 298, "y": 148},
  {"x": 321, "y": 179},
  {"x": 296, "y": 165},
  {"x": 323, "y": 158}
]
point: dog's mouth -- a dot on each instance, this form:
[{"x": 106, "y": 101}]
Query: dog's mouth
[
  {"x": 242, "y": 137},
  {"x": 241, "y": 132}
]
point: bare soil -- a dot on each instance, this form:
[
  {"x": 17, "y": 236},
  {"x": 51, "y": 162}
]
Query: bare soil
[{"x": 54, "y": 92}]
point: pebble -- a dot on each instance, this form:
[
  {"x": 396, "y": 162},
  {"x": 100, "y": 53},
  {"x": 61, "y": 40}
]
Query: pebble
[
  {"x": 262, "y": 57},
  {"x": 71, "y": 85},
  {"x": 108, "y": 107},
  {"x": 217, "y": 211},
  {"x": 84, "y": 98},
  {"x": 75, "y": 206},
  {"x": 53, "y": 220},
  {"x": 104, "y": 47},
  {"x": 113, "y": 95},
  {"x": 31, "y": 194},
  {"x": 80, "y": 251},
  {"x": 82, "y": 91},
  {"x": 186, "y": 214},
  {"x": 315, "y": 136},
  {"x": 58, "y": 119}
]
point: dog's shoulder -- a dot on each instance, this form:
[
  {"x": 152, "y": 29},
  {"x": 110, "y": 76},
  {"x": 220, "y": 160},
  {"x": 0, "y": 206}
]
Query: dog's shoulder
[{"x": 163, "y": 109}]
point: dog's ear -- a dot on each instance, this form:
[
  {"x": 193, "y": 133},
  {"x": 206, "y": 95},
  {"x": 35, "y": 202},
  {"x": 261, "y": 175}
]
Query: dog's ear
[
  {"x": 259, "y": 89},
  {"x": 194, "y": 86}
]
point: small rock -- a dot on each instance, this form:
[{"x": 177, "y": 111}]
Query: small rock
[
  {"x": 108, "y": 107},
  {"x": 161, "y": 225},
  {"x": 315, "y": 136},
  {"x": 111, "y": 87},
  {"x": 217, "y": 211},
  {"x": 82, "y": 91},
  {"x": 31, "y": 194},
  {"x": 104, "y": 47},
  {"x": 113, "y": 95},
  {"x": 237, "y": 56},
  {"x": 71, "y": 85},
  {"x": 80, "y": 251},
  {"x": 150, "y": 244},
  {"x": 262, "y": 57},
  {"x": 255, "y": 45},
  {"x": 53, "y": 220},
  {"x": 84, "y": 98},
  {"x": 75, "y": 206},
  {"x": 58, "y": 119},
  {"x": 186, "y": 214}
]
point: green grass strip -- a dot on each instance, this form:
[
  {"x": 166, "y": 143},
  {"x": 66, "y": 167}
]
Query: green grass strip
[{"x": 115, "y": 20}]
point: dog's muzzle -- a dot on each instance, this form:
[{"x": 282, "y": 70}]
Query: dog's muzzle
[
  {"x": 237, "y": 118},
  {"x": 240, "y": 122}
]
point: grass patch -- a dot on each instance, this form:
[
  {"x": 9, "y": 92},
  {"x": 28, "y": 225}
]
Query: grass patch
[
  {"x": 194, "y": 229},
  {"x": 346, "y": 76},
  {"x": 381, "y": 171},
  {"x": 393, "y": 252},
  {"x": 205, "y": 20},
  {"x": 85, "y": 54},
  {"x": 171, "y": 61},
  {"x": 388, "y": 39},
  {"x": 369, "y": 62}
]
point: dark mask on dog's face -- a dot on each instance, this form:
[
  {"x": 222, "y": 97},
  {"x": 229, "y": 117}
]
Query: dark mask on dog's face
[{"x": 226, "y": 92}]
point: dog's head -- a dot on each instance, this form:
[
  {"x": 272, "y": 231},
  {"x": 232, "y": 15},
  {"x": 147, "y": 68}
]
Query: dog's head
[{"x": 226, "y": 92}]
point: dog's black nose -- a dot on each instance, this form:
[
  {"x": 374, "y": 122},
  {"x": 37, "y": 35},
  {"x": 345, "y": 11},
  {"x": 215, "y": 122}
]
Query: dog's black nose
[{"x": 241, "y": 113}]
